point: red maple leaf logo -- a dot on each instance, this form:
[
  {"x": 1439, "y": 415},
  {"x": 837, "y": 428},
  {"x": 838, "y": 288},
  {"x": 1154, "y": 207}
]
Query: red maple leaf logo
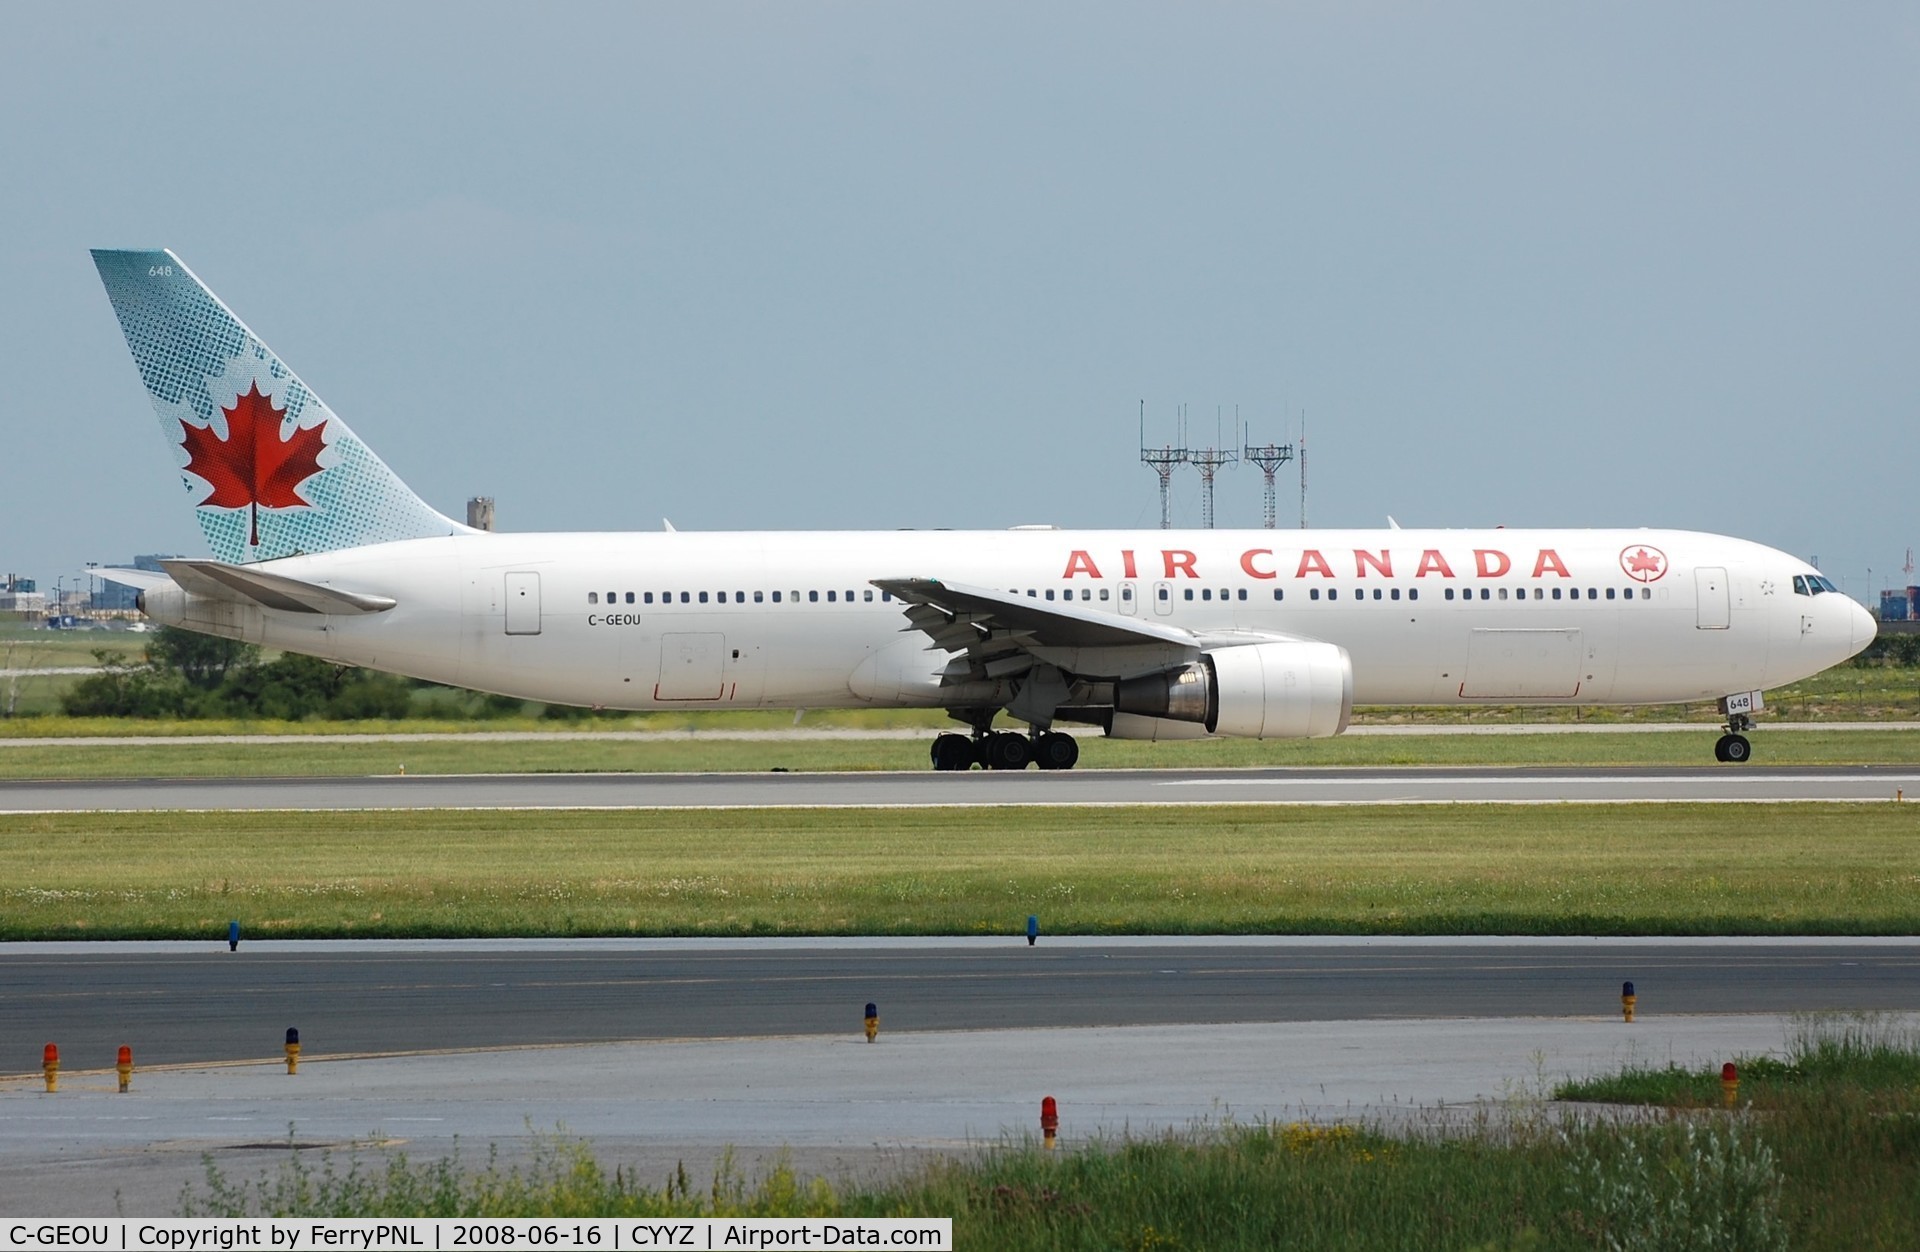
[
  {"x": 253, "y": 467},
  {"x": 1644, "y": 564}
]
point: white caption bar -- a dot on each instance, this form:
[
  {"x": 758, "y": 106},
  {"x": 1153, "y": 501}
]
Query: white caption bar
[{"x": 368, "y": 1234}]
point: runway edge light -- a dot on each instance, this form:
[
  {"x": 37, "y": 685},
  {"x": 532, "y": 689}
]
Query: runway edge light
[
  {"x": 1729, "y": 1084},
  {"x": 124, "y": 1065},
  {"x": 1049, "y": 1122},
  {"x": 1627, "y": 1001},
  {"x": 1033, "y": 929},
  {"x": 50, "y": 1066},
  {"x": 233, "y": 936},
  {"x": 293, "y": 1050},
  {"x": 873, "y": 1021}
]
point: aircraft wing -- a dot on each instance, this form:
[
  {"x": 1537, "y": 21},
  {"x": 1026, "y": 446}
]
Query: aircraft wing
[
  {"x": 1003, "y": 634},
  {"x": 250, "y": 584}
]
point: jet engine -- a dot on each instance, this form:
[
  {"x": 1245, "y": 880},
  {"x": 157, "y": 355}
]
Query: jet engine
[{"x": 1300, "y": 689}]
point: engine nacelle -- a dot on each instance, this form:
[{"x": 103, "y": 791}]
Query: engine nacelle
[
  {"x": 1292, "y": 690},
  {"x": 1300, "y": 690}
]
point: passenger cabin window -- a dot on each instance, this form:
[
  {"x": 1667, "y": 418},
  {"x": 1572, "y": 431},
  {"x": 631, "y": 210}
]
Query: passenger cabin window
[
  {"x": 1278, "y": 594},
  {"x": 593, "y": 597},
  {"x": 1189, "y": 593}
]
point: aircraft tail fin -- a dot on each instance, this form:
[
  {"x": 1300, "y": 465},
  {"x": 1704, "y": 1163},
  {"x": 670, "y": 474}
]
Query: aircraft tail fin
[{"x": 272, "y": 471}]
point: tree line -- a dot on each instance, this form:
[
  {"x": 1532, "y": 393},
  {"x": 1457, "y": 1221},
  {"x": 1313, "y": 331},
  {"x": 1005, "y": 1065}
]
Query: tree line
[{"x": 188, "y": 675}]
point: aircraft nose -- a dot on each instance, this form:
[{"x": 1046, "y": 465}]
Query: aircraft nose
[{"x": 1864, "y": 627}]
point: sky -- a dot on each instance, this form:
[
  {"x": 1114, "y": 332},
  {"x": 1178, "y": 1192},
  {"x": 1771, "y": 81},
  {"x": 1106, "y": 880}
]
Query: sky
[{"x": 852, "y": 265}]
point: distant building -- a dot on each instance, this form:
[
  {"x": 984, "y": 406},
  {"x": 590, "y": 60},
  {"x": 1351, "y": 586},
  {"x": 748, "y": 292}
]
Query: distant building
[
  {"x": 1902, "y": 605},
  {"x": 17, "y": 584},
  {"x": 112, "y": 597}
]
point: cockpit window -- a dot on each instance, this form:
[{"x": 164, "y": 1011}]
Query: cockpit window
[
  {"x": 1826, "y": 584},
  {"x": 1800, "y": 585},
  {"x": 1813, "y": 585}
]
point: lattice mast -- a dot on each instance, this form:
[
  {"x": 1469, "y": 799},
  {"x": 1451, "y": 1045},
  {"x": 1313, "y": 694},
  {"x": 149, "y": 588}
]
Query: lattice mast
[
  {"x": 1209, "y": 461},
  {"x": 1269, "y": 457},
  {"x": 1162, "y": 461},
  {"x": 1303, "y": 469}
]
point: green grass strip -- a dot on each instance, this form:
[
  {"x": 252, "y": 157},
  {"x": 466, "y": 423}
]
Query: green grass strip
[
  {"x": 1468, "y": 869},
  {"x": 1836, "y": 1172},
  {"x": 1861, "y": 1053}
]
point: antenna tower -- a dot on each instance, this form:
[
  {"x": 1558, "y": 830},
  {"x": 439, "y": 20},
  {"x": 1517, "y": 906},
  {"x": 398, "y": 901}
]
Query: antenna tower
[
  {"x": 1269, "y": 457},
  {"x": 1303, "y": 469},
  {"x": 1210, "y": 460},
  {"x": 1162, "y": 460}
]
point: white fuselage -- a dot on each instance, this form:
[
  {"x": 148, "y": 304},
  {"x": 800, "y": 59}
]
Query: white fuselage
[{"x": 791, "y": 619}]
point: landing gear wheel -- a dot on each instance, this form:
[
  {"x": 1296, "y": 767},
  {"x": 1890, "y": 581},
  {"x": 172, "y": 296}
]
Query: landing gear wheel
[
  {"x": 1005, "y": 750},
  {"x": 1056, "y": 750},
  {"x": 1733, "y": 749},
  {"x": 952, "y": 752}
]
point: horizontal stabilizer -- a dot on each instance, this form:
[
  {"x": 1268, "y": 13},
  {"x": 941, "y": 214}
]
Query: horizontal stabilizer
[
  {"x": 217, "y": 580},
  {"x": 139, "y": 578}
]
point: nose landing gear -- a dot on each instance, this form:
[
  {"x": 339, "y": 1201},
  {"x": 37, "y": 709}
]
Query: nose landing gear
[{"x": 1733, "y": 747}]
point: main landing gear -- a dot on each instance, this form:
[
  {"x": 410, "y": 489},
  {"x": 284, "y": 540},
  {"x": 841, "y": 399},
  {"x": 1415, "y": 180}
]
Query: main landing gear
[
  {"x": 1733, "y": 747},
  {"x": 1005, "y": 749}
]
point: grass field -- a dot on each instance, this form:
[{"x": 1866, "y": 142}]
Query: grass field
[
  {"x": 1679, "y": 869},
  {"x": 1832, "y": 1166},
  {"x": 359, "y": 756}
]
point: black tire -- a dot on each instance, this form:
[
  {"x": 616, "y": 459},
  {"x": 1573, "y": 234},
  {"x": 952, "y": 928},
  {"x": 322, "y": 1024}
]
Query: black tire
[
  {"x": 1008, "y": 751},
  {"x": 1739, "y": 751},
  {"x": 1720, "y": 748},
  {"x": 952, "y": 752},
  {"x": 1056, "y": 751}
]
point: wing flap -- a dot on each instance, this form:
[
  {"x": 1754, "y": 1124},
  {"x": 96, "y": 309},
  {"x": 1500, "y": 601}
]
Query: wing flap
[{"x": 1050, "y": 624}]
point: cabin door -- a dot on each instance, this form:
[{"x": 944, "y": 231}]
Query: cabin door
[{"x": 1710, "y": 583}]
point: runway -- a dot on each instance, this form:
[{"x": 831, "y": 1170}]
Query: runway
[
  {"x": 753, "y": 1049},
  {"x": 1372, "y": 785},
  {"x": 187, "y": 1003}
]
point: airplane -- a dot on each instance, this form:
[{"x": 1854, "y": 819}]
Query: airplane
[{"x": 319, "y": 548}]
